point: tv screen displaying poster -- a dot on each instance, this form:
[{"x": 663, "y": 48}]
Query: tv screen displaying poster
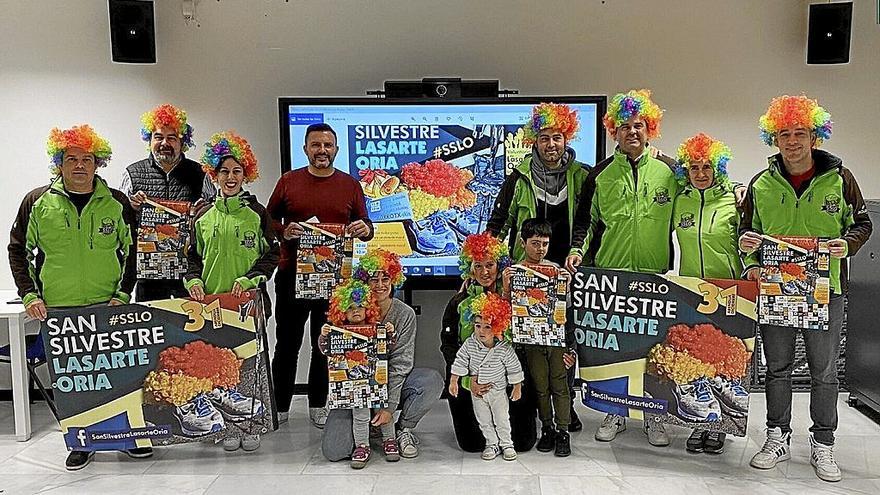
[{"x": 430, "y": 168}]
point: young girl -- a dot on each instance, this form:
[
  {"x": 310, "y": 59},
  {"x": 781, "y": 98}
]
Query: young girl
[
  {"x": 487, "y": 358},
  {"x": 233, "y": 249},
  {"x": 353, "y": 303}
]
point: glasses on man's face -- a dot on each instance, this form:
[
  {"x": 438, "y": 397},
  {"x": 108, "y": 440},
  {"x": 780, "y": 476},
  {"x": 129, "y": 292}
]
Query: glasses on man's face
[{"x": 158, "y": 138}]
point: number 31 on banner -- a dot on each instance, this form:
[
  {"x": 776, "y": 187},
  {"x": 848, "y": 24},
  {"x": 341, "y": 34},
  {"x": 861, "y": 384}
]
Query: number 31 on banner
[
  {"x": 195, "y": 310},
  {"x": 713, "y": 296}
]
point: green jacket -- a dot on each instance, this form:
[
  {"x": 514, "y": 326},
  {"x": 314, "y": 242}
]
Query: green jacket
[
  {"x": 516, "y": 202},
  {"x": 624, "y": 217},
  {"x": 829, "y": 205},
  {"x": 233, "y": 242},
  {"x": 68, "y": 258},
  {"x": 707, "y": 224}
]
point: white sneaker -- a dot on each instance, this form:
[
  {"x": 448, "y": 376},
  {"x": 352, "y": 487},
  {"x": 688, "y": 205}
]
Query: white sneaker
[
  {"x": 610, "y": 427},
  {"x": 250, "y": 443},
  {"x": 656, "y": 431},
  {"x": 198, "y": 417},
  {"x": 231, "y": 444},
  {"x": 775, "y": 450},
  {"x": 490, "y": 452},
  {"x": 318, "y": 415},
  {"x": 822, "y": 459},
  {"x": 508, "y": 453},
  {"x": 235, "y": 406},
  {"x": 408, "y": 443}
]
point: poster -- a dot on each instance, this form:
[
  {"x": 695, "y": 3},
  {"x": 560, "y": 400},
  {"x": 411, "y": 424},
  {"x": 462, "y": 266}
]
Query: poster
[
  {"x": 538, "y": 299},
  {"x": 162, "y": 239},
  {"x": 357, "y": 365},
  {"x": 795, "y": 284},
  {"x": 677, "y": 347},
  {"x": 323, "y": 259},
  {"x": 160, "y": 373}
]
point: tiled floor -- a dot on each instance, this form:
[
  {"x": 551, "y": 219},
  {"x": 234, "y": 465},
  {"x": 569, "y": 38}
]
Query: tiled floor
[{"x": 290, "y": 461}]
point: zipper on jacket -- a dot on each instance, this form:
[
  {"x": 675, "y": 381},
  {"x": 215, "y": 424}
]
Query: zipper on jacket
[
  {"x": 700, "y": 234},
  {"x": 92, "y": 231},
  {"x": 712, "y": 222}
]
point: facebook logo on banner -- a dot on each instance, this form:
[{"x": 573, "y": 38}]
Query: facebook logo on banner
[{"x": 306, "y": 118}]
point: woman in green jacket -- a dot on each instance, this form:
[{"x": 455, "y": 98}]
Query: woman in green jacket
[
  {"x": 233, "y": 250},
  {"x": 706, "y": 220}
]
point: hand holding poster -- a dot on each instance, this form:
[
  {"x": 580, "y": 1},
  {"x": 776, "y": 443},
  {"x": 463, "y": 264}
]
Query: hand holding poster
[
  {"x": 795, "y": 286},
  {"x": 163, "y": 237},
  {"x": 677, "y": 347},
  {"x": 162, "y": 372},
  {"x": 357, "y": 364},
  {"x": 538, "y": 299},
  {"x": 323, "y": 259}
]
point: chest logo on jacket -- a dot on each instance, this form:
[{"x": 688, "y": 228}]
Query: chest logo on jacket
[
  {"x": 686, "y": 221},
  {"x": 832, "y": 204},
  {"x": 249, "y": 240},
  {"x": 108, "y": 226},
  {"x": 661, "y": 196}
]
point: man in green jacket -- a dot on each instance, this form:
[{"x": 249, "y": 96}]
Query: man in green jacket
[
  {"x": 808, "y": 192},
  {"x": 71, "y": 243},
  {"x": 546, "y": 185}
]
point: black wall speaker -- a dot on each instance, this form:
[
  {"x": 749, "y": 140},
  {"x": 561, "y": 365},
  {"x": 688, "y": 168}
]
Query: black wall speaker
[
  {"x": 830, "y": 30},
  {"x": 442, "y": 87},
  {"x": 132, "y": 31}
]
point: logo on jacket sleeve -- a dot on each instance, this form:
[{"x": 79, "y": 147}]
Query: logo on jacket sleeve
[
  {"x": 832, "y": 204},
  {"x": 249, "y": 240},
  {"x": 686, "y": 220},
  {"x": 661, "y": 196},
  {"x": 108, "y": 226}
]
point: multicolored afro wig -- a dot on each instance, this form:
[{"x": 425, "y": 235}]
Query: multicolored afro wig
[
  {"x": 482, "y": 247},
  {"x": 81, "y": 136},
  {"x": 556, "y": 116},
  {"x": 795, "y": 111},
  {"x": 635, "y": 103},
  {"x": 700, "y": 149},
  {"x": 167, "y": 115},
  {"x": 349, "y": 294},
  {"x": 380, "y": 260},
  {"x": 493, "y": 309},
  {"x": 228, "y": 144}
]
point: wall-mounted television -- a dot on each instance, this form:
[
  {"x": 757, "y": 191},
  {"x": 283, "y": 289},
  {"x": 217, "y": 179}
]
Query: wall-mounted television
[{"x": 430, "y": 168}]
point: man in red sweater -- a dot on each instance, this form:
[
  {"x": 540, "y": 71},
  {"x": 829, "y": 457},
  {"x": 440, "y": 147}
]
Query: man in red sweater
[{"x": 317, "y": 191}]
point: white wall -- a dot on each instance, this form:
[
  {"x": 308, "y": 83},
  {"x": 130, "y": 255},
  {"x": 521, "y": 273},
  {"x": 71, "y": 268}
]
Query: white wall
[{"x": 713, "y": 65}]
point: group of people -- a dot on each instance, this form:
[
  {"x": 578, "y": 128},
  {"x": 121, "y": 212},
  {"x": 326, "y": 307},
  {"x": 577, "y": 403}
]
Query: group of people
[{"x": 551, "y": 210}]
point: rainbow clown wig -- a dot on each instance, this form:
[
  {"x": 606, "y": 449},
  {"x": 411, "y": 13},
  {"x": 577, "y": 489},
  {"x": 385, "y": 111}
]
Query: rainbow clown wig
[
  {"x": 556, "y": 116},
  {"x": 703, "y": 148},
  {"x": 635, "y": 103},
  {"x": 482, "y": 247},
  {"x": 493, "y": 309},
  {"x": 380, "y": 260},
  {"x": 229, "y": 145},
  {"x": 167, "y": 115},
  {"x": 795, "y": 111},
  {"x": 83, "y": 137},
  {"x": 352, "y": 294}
]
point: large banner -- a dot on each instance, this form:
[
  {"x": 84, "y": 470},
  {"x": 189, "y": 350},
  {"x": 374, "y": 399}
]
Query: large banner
[
  {"x": 676, "y": 347},
  {"x": 160, "y": 373},
  {"x": 162, "y": 239},
  {"x": 357, "y": 365},
  {"x": 323, "y": 259},
  {"x": 795, "y": 283},
  {"x": 538, "y": 298}
]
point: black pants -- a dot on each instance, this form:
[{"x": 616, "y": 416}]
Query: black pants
[
  {"x": 154, "y": 290},
  {"x": 523, "y": 416},
  {"x": 290, "y": 319}
]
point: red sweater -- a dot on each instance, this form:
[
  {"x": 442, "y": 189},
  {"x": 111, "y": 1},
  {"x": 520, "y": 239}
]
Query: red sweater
[{"x": 299, "y": 196}]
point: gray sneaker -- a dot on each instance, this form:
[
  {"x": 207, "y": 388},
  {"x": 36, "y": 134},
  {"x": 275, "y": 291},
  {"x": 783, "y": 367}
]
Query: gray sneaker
[
  {"x": 318, "y": 415},
  {"x": 408, "y": 443},
  {"x": 508, "y": 453},
  {"x": 250, "y": 443},
  {"x": 775, "y": 450},
  {"x": 610, "y": 427},
  {"x": 656, "y": 431},
  {"x": 490, "y": 452},
  {"x": 822, "y": 460}
]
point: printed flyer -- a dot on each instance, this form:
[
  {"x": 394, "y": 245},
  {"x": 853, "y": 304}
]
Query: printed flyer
[
  {"x": 323, "y": 259},
  {"x": 538, "y": 299},
  {"x": 676, "y": 347},
  {"x": 357, "y": 365},
  {"x": 795, "y": 284},
  {"x": 160, "y": 373},
  {"x": 162, "y": 240}
]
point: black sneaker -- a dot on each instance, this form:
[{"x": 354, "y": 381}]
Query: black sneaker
[
  {"x": 563, "y": 444},
  {"x": 140, "y": 452},
  {"x": 714, "y": 442},
  {"x": 547, "y": 441},
  {"x": 696, "y": 442},
  {"x": 78, "y": 459},
  {"x": 575, "y": 424}
]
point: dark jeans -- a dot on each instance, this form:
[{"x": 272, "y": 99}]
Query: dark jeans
[
  {"x": 290, "y": 319},
  {"x": 822, "y": 350},
  {"x": 154, "y": 290}
]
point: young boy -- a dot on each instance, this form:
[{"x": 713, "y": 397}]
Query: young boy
[
  {"x": 548, "y": 365},
  {"x": 487, "y": 358}
]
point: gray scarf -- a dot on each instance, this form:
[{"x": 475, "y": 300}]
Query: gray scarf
[{"x": 550, "y": 183}]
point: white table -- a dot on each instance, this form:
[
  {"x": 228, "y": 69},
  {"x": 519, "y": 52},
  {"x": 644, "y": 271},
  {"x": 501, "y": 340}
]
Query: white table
[{"x": 15, "y": 315}]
